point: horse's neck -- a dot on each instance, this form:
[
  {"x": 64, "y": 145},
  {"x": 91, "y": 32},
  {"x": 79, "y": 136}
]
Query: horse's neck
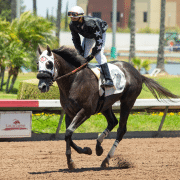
[{"x": 63, "y": 67}]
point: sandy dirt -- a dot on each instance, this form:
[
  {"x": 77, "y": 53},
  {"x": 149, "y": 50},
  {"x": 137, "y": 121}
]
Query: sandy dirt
[{"x": 146, "y": 159}]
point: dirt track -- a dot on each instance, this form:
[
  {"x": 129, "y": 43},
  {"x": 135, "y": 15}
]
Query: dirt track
[{"x": 157, "y": 158}]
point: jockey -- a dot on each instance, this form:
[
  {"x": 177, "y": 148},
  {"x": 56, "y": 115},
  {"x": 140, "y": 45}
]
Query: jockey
[{"x": 94, "y": 32}]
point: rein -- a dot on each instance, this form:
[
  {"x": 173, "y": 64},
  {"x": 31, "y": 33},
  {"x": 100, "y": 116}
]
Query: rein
[{"x": 72, "y": 72}]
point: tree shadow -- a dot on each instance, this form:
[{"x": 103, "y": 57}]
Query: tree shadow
[{"x": 13, "y": 91}]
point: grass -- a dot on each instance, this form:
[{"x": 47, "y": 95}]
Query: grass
[
  {"x": 170, "y": 82},
  {"x": 137, "y": 122},
  {"x": 97, "y": 123}
]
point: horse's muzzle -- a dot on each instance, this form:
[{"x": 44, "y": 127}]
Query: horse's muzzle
[{"x": 43, "y": 85}]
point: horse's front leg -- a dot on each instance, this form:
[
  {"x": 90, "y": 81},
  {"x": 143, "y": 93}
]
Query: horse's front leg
[
  {"x": 76, "y": 122},
  {"x": 85, "y": 150}
]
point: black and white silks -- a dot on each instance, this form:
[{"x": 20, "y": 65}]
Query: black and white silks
[{"x": 93, "y": 30}]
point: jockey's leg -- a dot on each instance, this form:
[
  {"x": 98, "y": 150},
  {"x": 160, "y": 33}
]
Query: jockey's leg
[
  {"x": 87, "y": 45},
  {"x": 101, "y": 59}
]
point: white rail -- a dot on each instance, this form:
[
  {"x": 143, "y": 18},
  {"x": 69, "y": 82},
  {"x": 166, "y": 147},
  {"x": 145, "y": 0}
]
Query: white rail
[{"x": 55, "y": 106}]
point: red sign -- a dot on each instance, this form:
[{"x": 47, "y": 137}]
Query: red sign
[
  {"x": 16, "y": 126},
  {"x": 43, "y": 59}
]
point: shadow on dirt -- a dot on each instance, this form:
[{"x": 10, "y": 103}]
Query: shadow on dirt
[
  {"x": 77, "y": 170},
  {"x": 118, "y": 163}
]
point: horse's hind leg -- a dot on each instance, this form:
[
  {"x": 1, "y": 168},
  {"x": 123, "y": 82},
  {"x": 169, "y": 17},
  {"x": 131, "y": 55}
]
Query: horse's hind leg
[
  {"x": 124, "y": 113},
  {"x": 112, "y": 122}
]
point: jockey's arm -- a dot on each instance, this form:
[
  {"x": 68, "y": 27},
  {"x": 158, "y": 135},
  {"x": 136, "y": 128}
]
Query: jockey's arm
[{"x": 76, "y": 40}]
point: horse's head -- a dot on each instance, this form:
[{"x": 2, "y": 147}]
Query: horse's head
[{"x": 45, "y": 69}]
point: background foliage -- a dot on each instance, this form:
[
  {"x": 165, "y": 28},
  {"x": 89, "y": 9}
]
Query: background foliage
[{"x": 31, "y": 91}]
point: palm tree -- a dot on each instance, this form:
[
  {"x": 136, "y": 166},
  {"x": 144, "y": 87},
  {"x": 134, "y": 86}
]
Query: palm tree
[
  {"x": 58, "y": 22},
  {"x": 16, "y": 55},
  {"x": 34, "y": 8},
  {"x": 66, "y": 16},
  {"x": 13, "y": 9},
  {"x": 4, "y": 29},
  {"x": 160, "y": 58},
  {"x": 47, "y": 14},
  {"x": 24, "y": 37},
  {"x": 132, "y": 33}
]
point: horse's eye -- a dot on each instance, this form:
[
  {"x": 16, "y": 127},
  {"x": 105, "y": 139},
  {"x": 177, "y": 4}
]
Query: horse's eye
[{"x": 49, "y": 65}]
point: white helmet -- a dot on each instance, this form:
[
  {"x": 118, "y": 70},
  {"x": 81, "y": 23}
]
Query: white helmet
[{"x": 76, "y": 11}]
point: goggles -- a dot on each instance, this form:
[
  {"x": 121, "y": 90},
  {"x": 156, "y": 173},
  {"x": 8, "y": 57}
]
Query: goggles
[{"x": 74, "y": 14}]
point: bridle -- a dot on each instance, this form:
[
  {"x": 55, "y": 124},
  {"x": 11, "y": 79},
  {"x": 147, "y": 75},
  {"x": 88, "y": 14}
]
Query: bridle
[
  {"x": 72, "y": 72},
  {"x": 52, "y": 75}
]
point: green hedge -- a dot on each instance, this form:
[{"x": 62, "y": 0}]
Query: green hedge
[{"x": 29, "y": 90}]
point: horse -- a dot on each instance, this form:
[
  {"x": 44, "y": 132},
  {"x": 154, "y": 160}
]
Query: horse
[{"x": 79, "y": 96}]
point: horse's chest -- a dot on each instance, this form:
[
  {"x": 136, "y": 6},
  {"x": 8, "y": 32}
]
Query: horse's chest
[{"x": 70, "y": 106}]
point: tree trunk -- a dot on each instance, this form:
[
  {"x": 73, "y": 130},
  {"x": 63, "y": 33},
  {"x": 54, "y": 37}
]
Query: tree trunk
[
  {"x": 12, "y": 83},
  {"x": 34, "y": 8},
  {"x": 14, "y": 72},
  {"x": 58, "y": 21},
  {"x": 7, "y": 83},
  {"x": 160, "y": 58},
  {"x": 66, "y": 17},
  {"x": 47, "y": 14},
  {"x": 2, "y": 77},
  {"x": 13, "y": 9},
  {"x": 132, "y": 33}
]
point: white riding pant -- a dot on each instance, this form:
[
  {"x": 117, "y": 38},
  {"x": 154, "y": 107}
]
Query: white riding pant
[{"x": 87, "y": 46}]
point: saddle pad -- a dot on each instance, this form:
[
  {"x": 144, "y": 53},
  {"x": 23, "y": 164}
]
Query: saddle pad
[{"x": 117, "y": 76}]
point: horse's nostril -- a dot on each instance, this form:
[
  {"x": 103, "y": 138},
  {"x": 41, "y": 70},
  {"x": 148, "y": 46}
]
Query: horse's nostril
[{"x": 42, "y": 87}]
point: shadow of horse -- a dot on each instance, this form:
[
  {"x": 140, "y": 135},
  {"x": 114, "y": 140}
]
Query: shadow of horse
[{"x": 80, "y": 170}]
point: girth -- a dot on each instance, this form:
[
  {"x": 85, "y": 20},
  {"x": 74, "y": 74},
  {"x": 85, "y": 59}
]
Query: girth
[{"x": 100, "y": 103}]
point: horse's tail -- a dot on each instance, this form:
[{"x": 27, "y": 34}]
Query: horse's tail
[{"x": 157, "y": 90}]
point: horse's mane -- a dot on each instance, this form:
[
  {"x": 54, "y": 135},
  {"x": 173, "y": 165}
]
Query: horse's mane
[{"x": 70, "y": 55}]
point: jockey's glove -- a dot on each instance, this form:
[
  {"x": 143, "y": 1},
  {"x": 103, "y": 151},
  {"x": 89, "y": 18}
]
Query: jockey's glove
[
  {"x": 81, "y": 53},
  {"x": 89, "y": 58}
]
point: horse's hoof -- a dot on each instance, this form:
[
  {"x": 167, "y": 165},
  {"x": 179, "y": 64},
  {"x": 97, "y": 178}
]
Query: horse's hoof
[
  {"x": 87, "y": 150},
  {"x": 105, "y": 163},
  {"x": 71, "y": 165},
  {"x": 99, "y": 150}
]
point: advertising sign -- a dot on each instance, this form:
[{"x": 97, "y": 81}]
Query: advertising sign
[{"x": 15, "y": 124}]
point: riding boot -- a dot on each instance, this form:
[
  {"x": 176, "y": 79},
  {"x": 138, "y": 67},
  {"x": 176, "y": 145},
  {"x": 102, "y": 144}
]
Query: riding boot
[{"x": 107, "y": 76}]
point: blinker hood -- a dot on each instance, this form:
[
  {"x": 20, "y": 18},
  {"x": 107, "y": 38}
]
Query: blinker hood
[
  {"x": 44, "y": 75},
  {"x": 46, "y": 65}
]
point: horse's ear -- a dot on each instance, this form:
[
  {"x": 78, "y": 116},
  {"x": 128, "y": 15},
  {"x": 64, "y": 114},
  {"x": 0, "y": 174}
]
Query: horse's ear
[
  {"x": 39, "y": 50},
  {"x": 49, "y": 51}
]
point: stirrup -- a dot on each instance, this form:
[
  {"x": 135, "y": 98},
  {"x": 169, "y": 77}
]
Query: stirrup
[{"x": 107, "y": 83}]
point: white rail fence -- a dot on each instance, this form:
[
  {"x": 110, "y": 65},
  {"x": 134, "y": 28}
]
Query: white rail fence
[{"x": 54, "y": 106}]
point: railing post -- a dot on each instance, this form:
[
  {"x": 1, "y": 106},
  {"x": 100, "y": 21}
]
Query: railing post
[
  {"x": 60, "y": 122},
  {"x": 162, "y": 121}
]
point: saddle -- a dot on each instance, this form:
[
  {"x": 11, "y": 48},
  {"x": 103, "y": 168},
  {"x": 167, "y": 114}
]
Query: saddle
[{"x": 117, "y": 76}]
